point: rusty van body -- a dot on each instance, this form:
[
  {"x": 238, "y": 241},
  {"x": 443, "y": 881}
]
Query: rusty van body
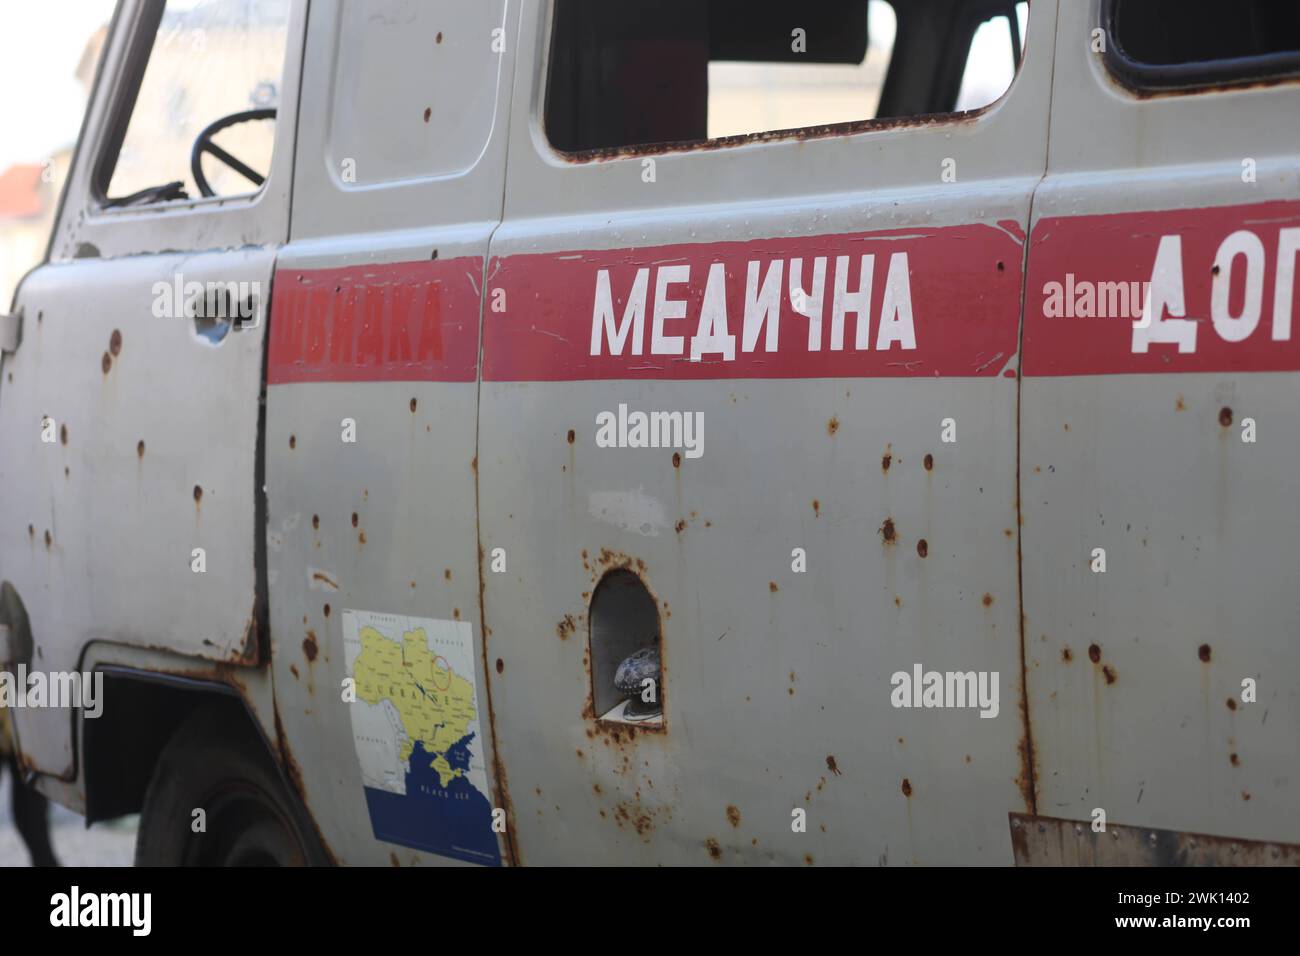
[{"x": 1006, "y": 391}]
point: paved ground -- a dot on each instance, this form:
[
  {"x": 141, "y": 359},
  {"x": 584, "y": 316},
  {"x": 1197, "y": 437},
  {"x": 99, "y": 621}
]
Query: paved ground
[{"x": 104, "y": 844}]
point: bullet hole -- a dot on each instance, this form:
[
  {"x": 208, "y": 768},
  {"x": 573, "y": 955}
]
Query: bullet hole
[
  {"x": 1094, "y": 653},
  {"x": 355, "y": 519},
  {"x": 832, "y": 766},
  {"x": 1109, "y": 673},
  {"x": 771, "y": 586},
  {"x": 907, "y": 787},
  {"x": 198, "y": 494},
  {"x": 572, "y": 436},
  {"x": 885, "y": 461},
  {"x": 413, "y": 404},
  {"x": 988, "y": 600},
  {"x": 501, "y": 668},
  {"x": 327, "y": 610},
  {"x": 922, "y": 548},
  {"x": 677, "y": 459},
  {"x": 715, "y": 851},
  {"x": 433, "y": 257},
  {"x": 1203, "y": 652},
  {"x": 139, "y": 448},
  {"x": 929, "y": 462},
  {"x": 293, "y": 441},
  {"x": 733, "y": 815},
  {"x": 115, "y": 343},
  {"x": 63, "y": 434},
  {"x": 832, "y": 426},
  {"x": 427, "y": 113},
  {"x": 1067, "y": 655},
  {"x": 1001, "y": 266},
  {"x": 438, "y": 38},
  {"x": 1225, "y": 416},
  {"x": 49, "y": 539},
  {"x": 309, "y": 647},
  {"x": 1234, "y": 760},
  {"x": 1214, "y": 270},
  {"x": 887, "y": 531},
  {"x": 1232, "y": 703},
  {"x": 315, "y": 522},
  {"x": 106, "y": 363}
]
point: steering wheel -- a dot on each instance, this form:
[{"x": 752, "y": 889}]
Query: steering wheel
[{"x": 203, "y": 144}]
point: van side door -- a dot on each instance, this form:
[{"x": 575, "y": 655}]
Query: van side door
[
  {"x": 748, "y": 434},
  {"x": 129, "y": 413},
  {"x": 1158, "y": 429}
]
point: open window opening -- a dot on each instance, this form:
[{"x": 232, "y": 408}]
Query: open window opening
[
  {"x": 1179, "y": 44},
  {"x": 626, "y": 652},
  {"x": 668, "y": 72},
  {"x": 203, "y": 92}
]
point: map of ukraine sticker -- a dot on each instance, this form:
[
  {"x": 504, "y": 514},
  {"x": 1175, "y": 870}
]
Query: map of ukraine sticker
[{"x": 416, "y": 727}]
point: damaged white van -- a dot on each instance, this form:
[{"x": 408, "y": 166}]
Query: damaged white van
[{"x": 319, "y": 441}]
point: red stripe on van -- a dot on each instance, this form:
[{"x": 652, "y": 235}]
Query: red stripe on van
[
  {"x": 1109, "y": 257},
  {"x": 409, "y": 321},
  {"x": 965, "y": 293}
]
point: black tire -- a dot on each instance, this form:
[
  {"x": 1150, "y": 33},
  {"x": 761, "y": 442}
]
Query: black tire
[{"x": 215, "y": 761}]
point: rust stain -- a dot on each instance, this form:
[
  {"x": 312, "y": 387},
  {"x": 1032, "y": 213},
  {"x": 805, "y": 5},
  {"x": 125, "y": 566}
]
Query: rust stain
[
  {"x": 1234, "y": 760},
  {"x": 677, "y": 459},
  {"x": 327, "y": 610},
  {"x": 1203, "y": 652},
  {"x": 988, "y": 600},
  {"x": 294, "y": 773},
  {"x": 1067, "y": 655},
  {"x": 1179, "y": 404},
  {"x": 414, "y": 404},
  {"x": 923, "y": 548},
  {"x": 887, "y": 531},
  {"x": 49, "y": 539},
  {"x": 198, "y": 494},
  {"x": 106, "y": 363},
  {"x": 501, "y": 666},
  {"x": 566, "y": 627},
  {"x": 1109, "y": 673},
  {"x": 293, "y": 442},
  {"x": 309, "y": 647},
  {"x": 355, "y": 519},
  {"x": 733, "y": 815},
  {"x": 1225, "y": 416},
  {"x": 1094, "y": 653},
  {"x": 715, "y": 851},
  {"x": 325, "y": 579},
  {"x": 771, "y": 586},
  {"x": 139, "y": 448},
  {"x": 572, "y": 436},
  {"x": 832, "y": 426},
  {"x": 115, "y": 343},
  {"x": 886, "y": 460},
  {"x": 1232, "y": 703},
  {"x": 293, "y": 669},
  {"x": 956, "y": 120},
  {"x": 392, "y": 858},
  {"x": 315, "y": 522},
  {"x": 817, "y": 508},
  {"x": 832, "y": 766},
  {"x": 907, "y": 788},
  {"x": 427, "y": 113},
  {"x": 928, "y": 461},
  {"x": 63, "y": 434}
]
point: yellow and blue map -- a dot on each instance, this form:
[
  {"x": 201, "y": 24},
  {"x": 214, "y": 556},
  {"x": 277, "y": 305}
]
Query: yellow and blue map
[{"x": 416, "y": 727}]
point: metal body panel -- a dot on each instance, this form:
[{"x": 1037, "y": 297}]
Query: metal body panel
[
  {"x": 1135, "y": 675},
  {"x": 388, "y": 523},
  {"x": 777, "y": 684},
  {"x": 157, "y": 441}
]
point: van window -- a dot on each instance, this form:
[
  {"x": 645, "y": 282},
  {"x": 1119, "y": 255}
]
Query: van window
[
  {"x": 1188, "y": 43},
  {"x": 209, "y": 60},
  {"x": 644, "y": 72}
]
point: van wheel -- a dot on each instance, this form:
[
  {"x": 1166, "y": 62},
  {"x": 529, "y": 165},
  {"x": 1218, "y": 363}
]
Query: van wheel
[{"x": 215, "y": 762}]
